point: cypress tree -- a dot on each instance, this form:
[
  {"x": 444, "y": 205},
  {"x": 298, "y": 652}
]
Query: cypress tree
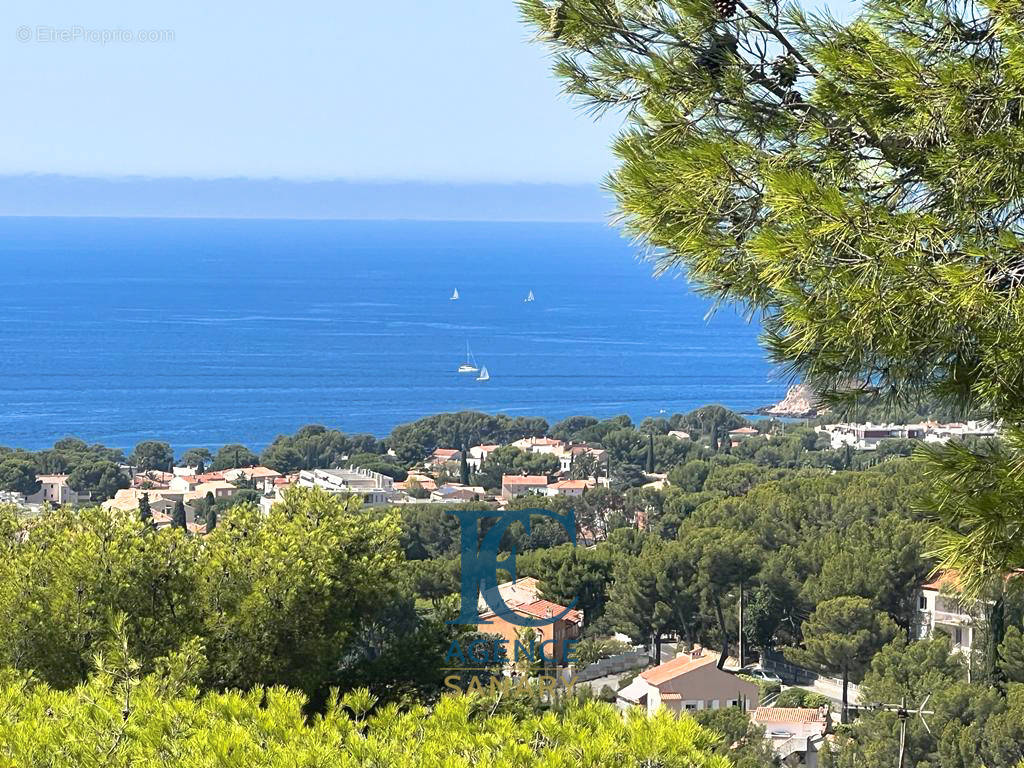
[
  {"x": 178, "y": 519},
  {"x": 650, "y": 452},
  {"x": 211, "y": 519},
  {"x": 145, "y": 513},
  {"x": 463, "y": 467}
]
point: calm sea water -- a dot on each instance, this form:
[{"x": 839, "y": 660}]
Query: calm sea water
[{"x": 202, "y": 332}]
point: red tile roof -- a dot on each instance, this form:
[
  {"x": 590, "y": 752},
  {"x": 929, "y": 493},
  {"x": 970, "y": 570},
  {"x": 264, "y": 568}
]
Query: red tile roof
[
  {"x": 545, "y": 609},
  {"x": 788, "y": 715},
  {"x": 524, "y": 480},
  {"x": 680, "y": 665}
]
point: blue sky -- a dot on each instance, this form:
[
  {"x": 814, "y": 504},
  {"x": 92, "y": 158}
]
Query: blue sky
[
  {"x": 439, "y": 90},
  {"x": 445, "y": 90}
]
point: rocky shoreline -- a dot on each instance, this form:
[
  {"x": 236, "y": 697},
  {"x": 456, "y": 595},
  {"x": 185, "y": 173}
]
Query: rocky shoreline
[{"x": 799, "y": 403}]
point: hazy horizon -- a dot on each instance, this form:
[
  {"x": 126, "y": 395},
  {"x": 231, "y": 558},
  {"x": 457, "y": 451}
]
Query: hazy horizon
[{"x": 56, "y": 195}]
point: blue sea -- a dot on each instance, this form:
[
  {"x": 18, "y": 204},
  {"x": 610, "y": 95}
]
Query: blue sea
[{"x": 204, "y": 331}]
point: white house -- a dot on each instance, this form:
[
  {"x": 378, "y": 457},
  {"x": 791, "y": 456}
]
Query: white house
[
  {"x": 54, "y": 489},
  {"x": 478, "y": 454},
  {"x": 567, "y": 488},
  {"x": 374, "y": 487},
  {"x": 939, "y": 609}
]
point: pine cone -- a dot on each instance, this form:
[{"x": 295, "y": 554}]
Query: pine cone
[
  {"x": 784, "y": 69},
  {"x": 725, "y": 8}
]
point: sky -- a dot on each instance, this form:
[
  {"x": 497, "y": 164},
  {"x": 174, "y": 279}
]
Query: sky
[{"x": 439, "y": 90}]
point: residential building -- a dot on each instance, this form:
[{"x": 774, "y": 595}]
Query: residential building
[
  {"x": 941, "y": 610},
  {"x": 797, "y": 735},
  {"x": 691, "y": 681},
  {"x": 867, "y": 437},
  {"x": 522, "y": 597},
  {"x": 540, "y": 445},
  {"x": 743, "y": 433},
  {"x": 520, "y": 485},
  {"x": 679, "y": 434},
  {"x": 442, "y": 456},
  {"x": 425, "y": 482},
  {"x": 478, "y": 455},
  {"x": 453, "y": 492},
  {"x": 54, "y": 490},
  {"x": 567, "y": 488},
  {"x": 571, "y": 453},
  {"x": 263, "y": 478},
  {"x": 373, "y": 487}
]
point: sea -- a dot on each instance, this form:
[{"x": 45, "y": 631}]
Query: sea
[{"x": 203, "y": 332}]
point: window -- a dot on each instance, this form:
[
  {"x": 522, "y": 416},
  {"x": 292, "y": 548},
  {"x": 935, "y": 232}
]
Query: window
[
  {"x": 922, "y": 603},
  {"x": 958, "y": 636}
]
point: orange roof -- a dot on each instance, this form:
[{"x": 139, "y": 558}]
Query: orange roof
[
  {"x": 787, "y": 715},
  {"x": 680, "y": 665},
  {"x": 744, "y": 431},
  {"x": 944, "y": 580},
  {"x": 545, "y": 609},
  {"x": 574, "y": 484},
  {"x": 445, "y": 452},
  {"x": 524, "y": 480}
]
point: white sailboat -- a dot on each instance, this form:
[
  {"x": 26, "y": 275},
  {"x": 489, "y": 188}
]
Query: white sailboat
[
  {"x": 484, "y": 375},
  {"x": 470, "y": 365},
  {"x": 455, "y": 295},
  {"x": 529, "y": 297}
]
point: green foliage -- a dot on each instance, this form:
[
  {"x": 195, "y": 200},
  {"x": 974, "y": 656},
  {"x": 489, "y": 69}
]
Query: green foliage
[
  {"x": 1011, "y": 655},
  {"x": 152, "y": 454},
  {"x": 100, "y": 479},
  {"x": 315, "y": 446},
  {"x": 159, "y": 720},
  {"x": 412, "y": 442},
  {"x": 841, "y": 636},
  {"x": 509, "y": 460},
  {"x": 801, "y": 698},
  {"x": 276, "y": 599},
  {"x": 18, "y": 474},
  {"x": 233, "y": 456},
  {"x": 195, "y": 456}
]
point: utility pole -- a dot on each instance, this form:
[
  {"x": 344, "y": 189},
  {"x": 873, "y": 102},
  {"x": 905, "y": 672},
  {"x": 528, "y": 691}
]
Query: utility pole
[
  {"x": 903, "y": 715},
  {"x": 741, "y": 643}
]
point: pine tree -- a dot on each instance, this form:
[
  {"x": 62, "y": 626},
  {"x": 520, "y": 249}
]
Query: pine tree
[
  {"x": 858, "y": 185},
  {"x": 145, "y": 513},
  {"x": 178, "y": 518}
]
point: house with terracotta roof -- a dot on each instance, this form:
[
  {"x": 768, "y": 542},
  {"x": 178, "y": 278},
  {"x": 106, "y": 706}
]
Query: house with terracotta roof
[
  {"x": 679, "y": 434},
  {"x": 442, "y": 456},
  {"x": 520, "y": 485},
  {"x": 796, "y": 734},
  {"x": 571, "y": 453},
  {"x": 690, "y": 681},
  {"x": 523, "y": 598},
  {"x": 567, "y": 488}
]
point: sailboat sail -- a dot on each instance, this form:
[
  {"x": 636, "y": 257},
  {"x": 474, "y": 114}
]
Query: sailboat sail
[
  {"x": 484, "y": 375},
  {"x": 455, "y": 295},
  {"x": 529, "y": 297},
  {"x": 470, "y": 365}
]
